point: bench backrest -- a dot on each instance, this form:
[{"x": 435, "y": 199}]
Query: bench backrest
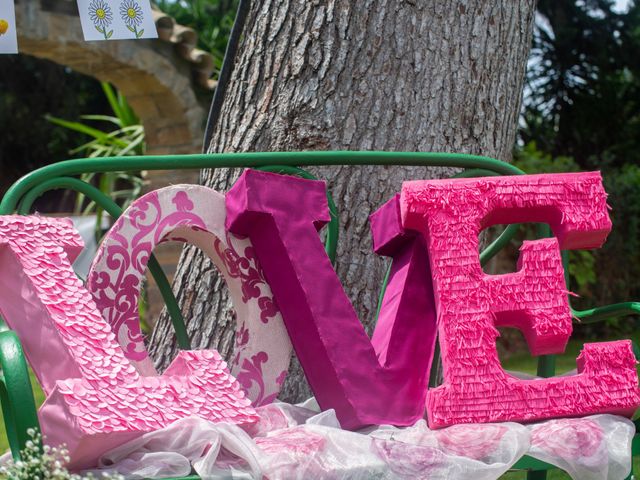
[{"x": 21, "y": 196}]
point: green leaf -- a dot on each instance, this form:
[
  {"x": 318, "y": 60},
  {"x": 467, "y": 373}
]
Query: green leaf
[
  {"x": 129, "y": 118},
  {"x": 77, "y": 127},
  {"x": 120, "y": 106},
  {"x": 111, "y": 98},
  {"x": 131, "y": 29},
  {"x": 110, "y": 34},
  {"x": 89, "y": 208},
  {"x": 132, "y": 146},
  {"x": 140, "y": 33},
  {"x": 87, "y": 177},
  {"x": 103, "y": 118},
  {"x": 121, "y": 193},
  {"x": 99, "y": 29},
  {"x": 123, "y": 141}
]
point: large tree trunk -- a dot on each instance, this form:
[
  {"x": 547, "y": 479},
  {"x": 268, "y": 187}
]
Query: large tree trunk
[{"x": 413, "y": 75}]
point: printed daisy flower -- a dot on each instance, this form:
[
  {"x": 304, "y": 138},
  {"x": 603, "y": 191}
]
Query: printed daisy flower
[
  {"x": 132, "y": 15},
  {"x": 101, "y": 16}
]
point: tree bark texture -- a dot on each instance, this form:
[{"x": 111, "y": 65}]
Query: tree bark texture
[{"x": 410, "y": 75}]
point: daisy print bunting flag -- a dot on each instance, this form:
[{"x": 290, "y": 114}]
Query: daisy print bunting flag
[
  {"x": 116, "y": 19},
  {"x": 8, "y": 37}
]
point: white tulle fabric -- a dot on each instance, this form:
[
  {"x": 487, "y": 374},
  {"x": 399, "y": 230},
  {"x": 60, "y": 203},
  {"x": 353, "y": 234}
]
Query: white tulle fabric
[
  {"x": 296, "y": 442},
  {"x": 590, "y": 448}
]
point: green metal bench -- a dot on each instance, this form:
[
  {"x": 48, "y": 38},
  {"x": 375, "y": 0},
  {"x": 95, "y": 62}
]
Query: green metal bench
[{"x": 16, "y": 398}]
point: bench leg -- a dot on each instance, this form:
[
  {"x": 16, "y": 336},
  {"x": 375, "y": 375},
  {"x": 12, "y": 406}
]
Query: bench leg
[{"x": 16, "y": 396}]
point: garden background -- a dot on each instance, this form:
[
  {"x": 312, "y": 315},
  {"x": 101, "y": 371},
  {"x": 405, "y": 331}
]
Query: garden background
[{"x": 581, "y": 111}]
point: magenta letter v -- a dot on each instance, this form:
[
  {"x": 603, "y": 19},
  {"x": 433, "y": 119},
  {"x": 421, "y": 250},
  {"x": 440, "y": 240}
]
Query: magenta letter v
[{"x": 380, "y": 383}]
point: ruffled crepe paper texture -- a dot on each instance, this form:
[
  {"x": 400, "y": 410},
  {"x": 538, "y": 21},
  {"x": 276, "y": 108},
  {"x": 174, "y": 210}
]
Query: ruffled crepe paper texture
[
  {"x": 470, "y": 304},
  {"x": 383, "y": 381},
  {"x": 297, "y": 442},
  {"x": 195, "y": 215},
  {"x": 96, "y": 400}
]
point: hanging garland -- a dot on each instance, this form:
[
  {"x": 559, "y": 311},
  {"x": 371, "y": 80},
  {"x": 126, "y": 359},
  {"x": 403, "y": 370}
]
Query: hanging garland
[
  {"x": 116, "y": 19},
  {"x": 100, "y": 20},
  {"x": 8, "y": 38}
]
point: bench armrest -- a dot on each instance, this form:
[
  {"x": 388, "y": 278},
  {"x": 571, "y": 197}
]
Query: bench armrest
[
  {"x": 600, "y": 313},
  {"x": 16, "y": 395}
]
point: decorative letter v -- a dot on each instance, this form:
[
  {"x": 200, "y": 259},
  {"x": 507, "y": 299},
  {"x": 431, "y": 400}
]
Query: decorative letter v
[{"x": 383, "y": 381}]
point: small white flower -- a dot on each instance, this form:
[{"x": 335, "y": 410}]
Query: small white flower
[{"x": 43, "y": 463}]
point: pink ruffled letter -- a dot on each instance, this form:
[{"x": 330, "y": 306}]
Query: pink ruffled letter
[
  {"x": 470, "y": 304},
  {"x": 96, "y": 400}
]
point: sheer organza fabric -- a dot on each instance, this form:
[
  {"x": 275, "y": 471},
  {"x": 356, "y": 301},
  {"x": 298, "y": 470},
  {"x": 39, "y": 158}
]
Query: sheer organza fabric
[{"x": 299, "y": 442}]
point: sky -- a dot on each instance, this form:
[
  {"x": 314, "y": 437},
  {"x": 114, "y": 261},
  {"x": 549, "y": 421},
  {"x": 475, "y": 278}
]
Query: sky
[{"x": 622, "y": 5}]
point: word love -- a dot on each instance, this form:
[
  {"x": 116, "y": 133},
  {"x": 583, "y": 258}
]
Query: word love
[
  {"x": 263, "y": 237},
  {"x": 381, "y": 382},
  {"x": 196, "y": 215},
  {"x": 96, "y": 399}
]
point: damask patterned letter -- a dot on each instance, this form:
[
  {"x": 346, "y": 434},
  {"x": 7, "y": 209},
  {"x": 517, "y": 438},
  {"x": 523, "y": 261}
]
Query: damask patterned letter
[
  {"x": 383, "y": 383},
  {"x": 470, "y": 304},
  {"x": 192, "y": 214},
  {"x": 96, "y": 400}
]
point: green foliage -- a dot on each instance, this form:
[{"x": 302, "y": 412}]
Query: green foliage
[
  {"x": 30, "y": 88},
  {"x": 582, "y": 112},
  {"x": 126, "y": 139},
  {"x": 211, "y": 19},
  {"x": 583, "y": 84},
  {"x": 618, "y": 263},
  {"x": 582, "y": 271},
  {"x": 532, "y": 160}
]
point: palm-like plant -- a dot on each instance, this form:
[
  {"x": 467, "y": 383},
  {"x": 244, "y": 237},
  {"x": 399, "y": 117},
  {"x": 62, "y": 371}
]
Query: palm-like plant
[
  {"x": 127, "y": 138},
  {"x": 212, "y": 19}
]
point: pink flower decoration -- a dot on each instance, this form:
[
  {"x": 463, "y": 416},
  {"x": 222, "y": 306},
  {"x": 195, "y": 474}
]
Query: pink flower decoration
[
  {"x": 268, "y": 308},
  {"x": 472, "y": 441},
  {"x": 271, "y": 418},
  {"x": 242, "y": 337},
  {"x": 297, "y": 440},
  {"x": 568, "y": 438},
  {"x": 404, "y": 459}
]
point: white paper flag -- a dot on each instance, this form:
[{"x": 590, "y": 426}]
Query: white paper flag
[
  {"x": 116, "y": 19},
  {"x": 8, "y": 37}
]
